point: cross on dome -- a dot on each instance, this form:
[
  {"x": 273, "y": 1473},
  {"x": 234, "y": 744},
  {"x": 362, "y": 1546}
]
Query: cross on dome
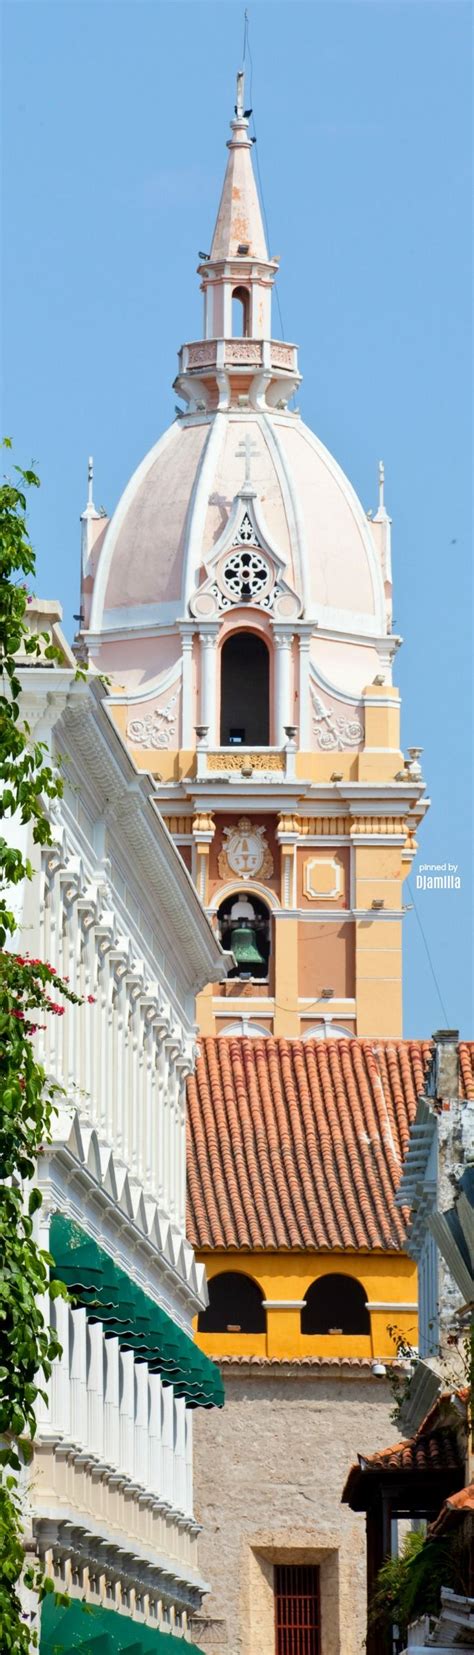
[{"x": 247, "y": 449}]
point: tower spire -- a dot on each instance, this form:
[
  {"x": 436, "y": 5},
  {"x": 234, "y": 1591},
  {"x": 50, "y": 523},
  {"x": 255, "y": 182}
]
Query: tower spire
[{"x": 239, "y": 222}]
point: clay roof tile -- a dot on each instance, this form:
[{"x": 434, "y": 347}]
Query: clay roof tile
[{"x": 296, "y": 1144}]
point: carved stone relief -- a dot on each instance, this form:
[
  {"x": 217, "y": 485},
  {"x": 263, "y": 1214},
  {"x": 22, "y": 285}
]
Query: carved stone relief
[
  {"x": 158, "y": 727},
  {"x": 245, "y": 852},
  {"x": 333, "y": 731}
]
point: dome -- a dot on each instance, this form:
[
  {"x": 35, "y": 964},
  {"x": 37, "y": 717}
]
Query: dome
[
  {"x": 239, "y": 505},
  {"x": 169, "y": 521}
]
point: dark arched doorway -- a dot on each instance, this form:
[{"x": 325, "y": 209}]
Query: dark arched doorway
[{"x": 245, "y": 691}]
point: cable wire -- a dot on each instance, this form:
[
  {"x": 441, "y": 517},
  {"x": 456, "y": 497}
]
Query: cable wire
[{"x": 430, "y": 962}]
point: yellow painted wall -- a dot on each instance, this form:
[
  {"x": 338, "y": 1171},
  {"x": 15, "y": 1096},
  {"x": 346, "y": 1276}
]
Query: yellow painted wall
[{"x": 388, "y": 1279}]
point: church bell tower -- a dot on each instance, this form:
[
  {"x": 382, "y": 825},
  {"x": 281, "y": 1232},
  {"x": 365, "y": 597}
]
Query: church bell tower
[{"x": 240, "y": 601}]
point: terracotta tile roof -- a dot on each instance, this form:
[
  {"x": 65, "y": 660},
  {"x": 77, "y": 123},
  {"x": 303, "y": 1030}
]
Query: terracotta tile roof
[
  {"x": 466, "y": 1065},
  {"x": 437, "y": 1451},
  {"x": 454, "y": 1509},
  {"x": 296, "y": 1144},
  {"x": 436, "y": 1446},
  {"x": 294, "y": 1362}
]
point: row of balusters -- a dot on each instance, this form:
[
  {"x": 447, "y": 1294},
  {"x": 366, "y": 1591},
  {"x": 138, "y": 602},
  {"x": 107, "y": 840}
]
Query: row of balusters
[
  {"x": 121, "y": 1058},
  {"x": 103, "y": 1402}
]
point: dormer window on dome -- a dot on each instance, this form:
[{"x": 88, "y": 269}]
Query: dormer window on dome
[{"x": 245, "y": 568}]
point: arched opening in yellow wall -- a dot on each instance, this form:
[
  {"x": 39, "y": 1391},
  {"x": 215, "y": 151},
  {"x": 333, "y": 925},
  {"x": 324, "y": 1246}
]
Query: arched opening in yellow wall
[
  {"x": 235, "y": 1305},
  {"x": 335, "y": 1304}
]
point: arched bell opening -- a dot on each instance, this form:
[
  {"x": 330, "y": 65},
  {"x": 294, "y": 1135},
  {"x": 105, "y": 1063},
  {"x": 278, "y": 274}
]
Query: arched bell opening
[
  {"x": 240, "y": 313},
  {"x": 335, "y": 1303},
  {"x": 245, "y": 691},
  {"x": 235, "y": 1305},
  {"x": 244, "y": 927}
]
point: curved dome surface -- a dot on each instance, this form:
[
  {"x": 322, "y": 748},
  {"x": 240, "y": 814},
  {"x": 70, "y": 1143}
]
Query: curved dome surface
[{"x": 177, "y": 504}]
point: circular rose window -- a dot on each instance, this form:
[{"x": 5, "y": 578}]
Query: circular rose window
[{"x": 246, "y": 575}]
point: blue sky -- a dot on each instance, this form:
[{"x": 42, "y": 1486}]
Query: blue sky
[{"x": 116, "y": 117}]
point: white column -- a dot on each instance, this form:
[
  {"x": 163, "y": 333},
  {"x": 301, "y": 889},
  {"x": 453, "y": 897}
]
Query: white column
[
  {"x": 111, "y": 1402},
  {"x": 208, "y": 643},
  {"x": 168, "y": 1443},
  {"x": 188, "y": 719},
  {"x": 304, "y": 720},
  {"x": 188, "y": 1425},
  {"x": 60, "y": 1382},
  {"x": 79, "y": 1378},
  {"x": 283, "y": 695},
  {"x": 184, "y": 1070},
  {"x": 127, "y": 1411},
  {"x": 180, "y": 1452},
  {"x": 95, "y": 1388},
  {"x": 141, "y": 1424},
  {"x": 227, "y": 310},
  {"x": 155, "y": 1445}
]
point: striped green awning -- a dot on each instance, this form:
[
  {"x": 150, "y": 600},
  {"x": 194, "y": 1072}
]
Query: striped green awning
[
  {"x": 96, "y": 1631},
  {"x": 93, "y": 1278}
]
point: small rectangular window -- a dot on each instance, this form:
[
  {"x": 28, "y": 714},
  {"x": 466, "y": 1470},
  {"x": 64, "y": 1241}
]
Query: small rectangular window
[{"x": 297, "y": 1616}]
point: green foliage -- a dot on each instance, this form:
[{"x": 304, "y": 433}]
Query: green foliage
[
  {"x": 409, "y": 1586},
  {"x": 28, "y": 1346}
]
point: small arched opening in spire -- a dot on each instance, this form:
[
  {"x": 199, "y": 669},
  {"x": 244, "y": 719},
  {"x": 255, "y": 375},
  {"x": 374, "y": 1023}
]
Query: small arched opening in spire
[
  {"x": 245, "y": 691},
  {"x": 240, "y": 313}
]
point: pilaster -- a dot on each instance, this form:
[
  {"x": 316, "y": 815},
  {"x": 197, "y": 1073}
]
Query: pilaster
[
  {"x": 204, "y": 828},
  {"x": 208, "y": 660},
  {"x": 287, "y": 1019}
]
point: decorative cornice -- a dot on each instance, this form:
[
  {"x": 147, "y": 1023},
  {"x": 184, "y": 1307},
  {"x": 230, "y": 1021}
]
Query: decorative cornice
[{"x": 76, "y": 1167}]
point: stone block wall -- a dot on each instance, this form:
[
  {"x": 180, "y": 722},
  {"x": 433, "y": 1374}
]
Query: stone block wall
[{"x": 269, "y": 1472}]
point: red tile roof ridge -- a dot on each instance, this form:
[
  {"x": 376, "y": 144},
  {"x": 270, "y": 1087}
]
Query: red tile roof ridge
[
  {"x": 466, "y": 1066},
  {"x": 432, "y": 1442},
  {"x": 463, "y": 1500},
  {"x": 459, "y": 1393},
  {"x": 456, "y": 1505},
  {"x": 435, "y": 1451},
  {"x": 294, "y": 1361}
]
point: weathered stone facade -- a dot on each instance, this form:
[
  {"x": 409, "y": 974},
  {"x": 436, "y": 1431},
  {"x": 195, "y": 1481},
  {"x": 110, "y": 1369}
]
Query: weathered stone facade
[{"x": 269, "y": 1472}]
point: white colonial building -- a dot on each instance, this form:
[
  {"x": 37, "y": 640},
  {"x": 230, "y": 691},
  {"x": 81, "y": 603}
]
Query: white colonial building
[{"x": 112, "y": 906}]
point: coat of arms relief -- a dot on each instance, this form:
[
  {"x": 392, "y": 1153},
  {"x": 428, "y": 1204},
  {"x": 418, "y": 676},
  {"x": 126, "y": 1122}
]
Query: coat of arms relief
[{"x": 245, "y": 852}]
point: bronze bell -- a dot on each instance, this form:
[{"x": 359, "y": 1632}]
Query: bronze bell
[{"x": 245, "y": 949}]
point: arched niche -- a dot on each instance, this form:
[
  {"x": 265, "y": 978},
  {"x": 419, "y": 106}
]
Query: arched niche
[
  {"x": 335, "y": 1304},
  {"x": 245, "y": 691},
  {"x": 240, "y": 313},
  {"x": 235, "y": 1305}
]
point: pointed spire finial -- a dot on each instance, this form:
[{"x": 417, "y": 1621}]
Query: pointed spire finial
[
  {"x": 90, "y": 480},
  {"x": 381, "y": 485},
  {"x": 239, "y": 96}
]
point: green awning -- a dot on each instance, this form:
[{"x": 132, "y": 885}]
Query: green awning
[
  {"x": 109, "y": 1296},
  {"x": 95, "y": 1631}
]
